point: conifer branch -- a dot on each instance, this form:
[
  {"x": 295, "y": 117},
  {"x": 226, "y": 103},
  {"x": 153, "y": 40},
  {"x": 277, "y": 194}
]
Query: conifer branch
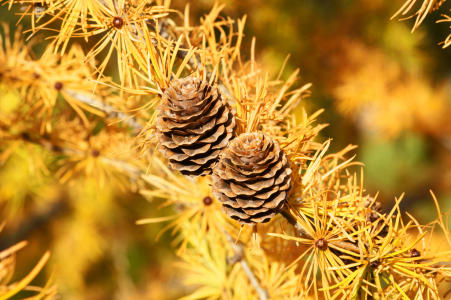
[
  {"x": 238, "y": 250},
  {"x": 111, "y": 112},
  {"x": 182, "y": 54},
  {"x": 133, "y": 171},
  {"x": 304, "y": 234}
]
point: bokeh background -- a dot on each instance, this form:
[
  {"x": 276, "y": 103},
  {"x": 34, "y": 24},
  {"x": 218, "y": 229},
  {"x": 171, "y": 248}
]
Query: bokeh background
[{"x": 383, "y": 88}]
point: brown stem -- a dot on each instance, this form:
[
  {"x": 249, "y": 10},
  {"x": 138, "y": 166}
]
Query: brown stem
[
  {"x": 132, "y": 170},
  {"x": 304, "y": 234},
  {"x": 437, "y": 265},
  {"x": 238, "y": 250},
  {"x": 35, "y": 222},
  {"x": 108, "y": 110},
  {"x": 182, "y": 54}
]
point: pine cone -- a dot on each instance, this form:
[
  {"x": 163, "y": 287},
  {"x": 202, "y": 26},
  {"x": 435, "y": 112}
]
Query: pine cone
[
  {"x": 193, "y": 125},
  {"x": 252, "y": 179}
]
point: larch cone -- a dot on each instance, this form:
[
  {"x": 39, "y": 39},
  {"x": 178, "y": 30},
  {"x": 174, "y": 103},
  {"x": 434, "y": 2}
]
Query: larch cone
[
  {"x": 252, "y": 179},
  {"x": 194, "y": 123}
]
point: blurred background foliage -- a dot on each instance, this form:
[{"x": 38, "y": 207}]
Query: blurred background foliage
[{"x": 384, "y": 88}]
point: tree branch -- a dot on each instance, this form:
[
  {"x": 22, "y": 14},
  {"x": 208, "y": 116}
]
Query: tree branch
[
  {"x": 132, "y": 170},
  {"x": 304, "y": 234},
  {"x": 239, "y": 257},
  {"x": 163, "y": 32},
  {"x": 35, "y": 222},
  {"x": 110, "y": 111}
]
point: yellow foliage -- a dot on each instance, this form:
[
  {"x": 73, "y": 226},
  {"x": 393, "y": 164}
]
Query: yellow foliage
[
  {"x": 70, "y": 132},
  {"x": 386, "y": 100}
]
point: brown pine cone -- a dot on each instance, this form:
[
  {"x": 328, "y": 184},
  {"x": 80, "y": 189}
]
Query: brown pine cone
[
  {"x": 252, "y": 179},
  {"x": 194, "y": 123}
]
